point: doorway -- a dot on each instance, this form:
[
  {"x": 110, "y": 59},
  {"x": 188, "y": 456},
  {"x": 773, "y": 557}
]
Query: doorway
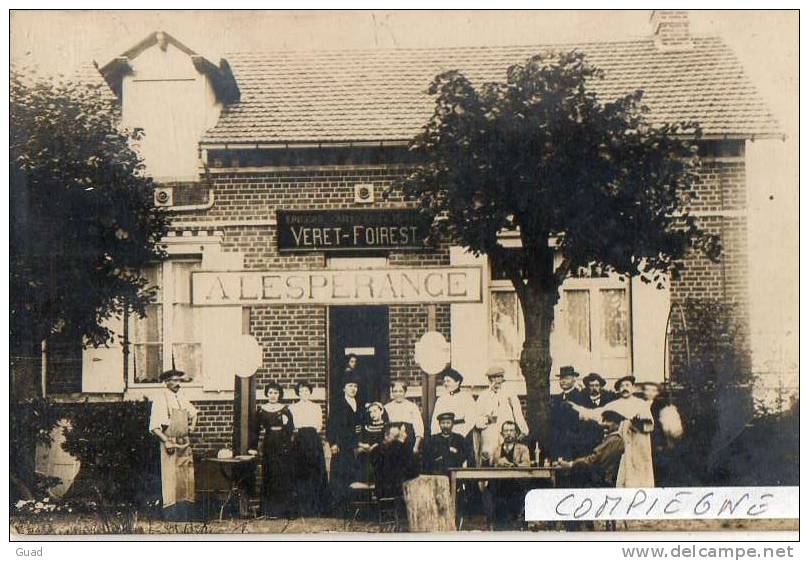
[{"x": 363, "y": 331}]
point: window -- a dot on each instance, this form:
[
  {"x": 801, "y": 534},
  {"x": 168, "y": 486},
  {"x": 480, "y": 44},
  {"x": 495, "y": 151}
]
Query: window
[
  {"x": 577, "y": 317},
  {"x": 506, "y": 326},
  {"x": 169, "y": 333},
  {"x": 146, "y": 334},
  {"x": 591, "y": 326}
]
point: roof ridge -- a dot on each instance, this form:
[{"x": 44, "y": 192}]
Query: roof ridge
[{"x": 367, "y": 50}]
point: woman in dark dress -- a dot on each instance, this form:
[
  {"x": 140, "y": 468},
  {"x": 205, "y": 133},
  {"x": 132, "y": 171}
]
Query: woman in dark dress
[
  {"x": 310, "y": 463},
  {"x": 343, "y": 432},
  {"x": 275, "y": 420}
]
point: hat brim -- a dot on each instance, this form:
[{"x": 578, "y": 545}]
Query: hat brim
[{"x": 170, "y": 374}]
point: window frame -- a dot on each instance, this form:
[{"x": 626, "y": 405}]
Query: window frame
[
  {"x": 594, "y": 285},
  {"x": 167, "y": 277}
]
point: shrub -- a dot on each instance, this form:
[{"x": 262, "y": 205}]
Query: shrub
[
  {"x": 711, "y": 378},
  {"x": 119, "y": 457}
]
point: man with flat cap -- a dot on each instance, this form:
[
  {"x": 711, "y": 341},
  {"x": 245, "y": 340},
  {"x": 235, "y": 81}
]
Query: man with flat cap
[
  {"x": 343, "y": 428},
  {"x": 564, "y": 420},
  {"x": 496, "y": 406},
  {"x": 594, "y": 396},
  {"x": 457, "y": 401},
  {"x": 447, "y": 449},
  {"x": 172, "y": 419}
]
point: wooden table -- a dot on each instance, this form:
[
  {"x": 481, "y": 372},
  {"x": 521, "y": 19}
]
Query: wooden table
[
  {"x": 547, "y": 473},
  {"x": 236, "y": 471}
]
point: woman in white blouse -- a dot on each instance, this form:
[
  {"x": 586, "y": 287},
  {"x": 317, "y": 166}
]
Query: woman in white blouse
[
  {"x": 403, "y": 412},
  {"x": 310, "y": 463}
]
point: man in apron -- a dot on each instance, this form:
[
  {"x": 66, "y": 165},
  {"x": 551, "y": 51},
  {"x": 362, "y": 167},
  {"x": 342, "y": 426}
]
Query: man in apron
[
  {"x": 496, "y": 406},
  {"x": 172, "y": 419}
]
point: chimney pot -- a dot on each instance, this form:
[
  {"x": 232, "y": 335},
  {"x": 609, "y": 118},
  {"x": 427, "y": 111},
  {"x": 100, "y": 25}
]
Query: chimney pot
[{"x": 670, "y": 29}]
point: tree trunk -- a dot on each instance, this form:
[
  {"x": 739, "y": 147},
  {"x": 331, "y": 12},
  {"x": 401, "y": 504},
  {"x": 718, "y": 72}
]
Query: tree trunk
[
  {"x": 430, "y": 506},
  {"x": 535, "y": 360}
]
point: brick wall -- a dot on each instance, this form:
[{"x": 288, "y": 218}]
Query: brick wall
[
  {"x": 214, "y": 427},
  {"x": 720, "y": 207},
  {"x": 294, "y": 338}
]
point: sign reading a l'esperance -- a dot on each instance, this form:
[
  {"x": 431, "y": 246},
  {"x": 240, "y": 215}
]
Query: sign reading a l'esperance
[
  {"x": 337, "y": 287},
  {"x": 350, "y": 230}
]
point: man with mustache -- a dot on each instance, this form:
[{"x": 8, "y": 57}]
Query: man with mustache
[
  {"x": 636, "y": 468},
  {"x": 594, "y": 396},
  {"x": 496, "y": 405}
]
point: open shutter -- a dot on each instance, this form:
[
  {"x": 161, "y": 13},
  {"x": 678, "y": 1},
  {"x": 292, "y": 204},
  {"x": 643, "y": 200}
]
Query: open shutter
[
  {"x": 102, "y": 368},
  {"x": 221, "y": 327},
  {"x": 650, "y": 310},
  {"x": 469, "y": 328}
]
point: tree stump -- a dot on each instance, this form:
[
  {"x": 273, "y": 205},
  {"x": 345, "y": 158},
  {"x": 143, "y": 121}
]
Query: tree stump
[{"x": 430, "y": 507}]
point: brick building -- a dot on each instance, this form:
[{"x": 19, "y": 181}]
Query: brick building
[{"x": 249, "y": 146}]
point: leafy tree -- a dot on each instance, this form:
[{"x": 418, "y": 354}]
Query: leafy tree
[
  {"x": 83, "y": 221},
  {"x": 583, "y": 181}
]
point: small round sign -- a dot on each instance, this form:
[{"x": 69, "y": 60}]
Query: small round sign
[
  {"x": 432, "y": 352},
  {"x": 247, "y": 356}
]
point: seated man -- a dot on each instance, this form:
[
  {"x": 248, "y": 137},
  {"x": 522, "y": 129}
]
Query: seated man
[
  {"x": 504, "y": 500},
  {"x": 446, "y": 449},
  {"x": 601, "y": 466},
  {"x": 393, "y": 462}
]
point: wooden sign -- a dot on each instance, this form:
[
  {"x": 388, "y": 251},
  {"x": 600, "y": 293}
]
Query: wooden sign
[
  {"x": 337, "y": 287},
  {"x": 350, "y": 230}
]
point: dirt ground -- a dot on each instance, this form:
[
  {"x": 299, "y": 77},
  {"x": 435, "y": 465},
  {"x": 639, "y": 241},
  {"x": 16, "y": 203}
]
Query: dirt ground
[{"x": 68, "y": 524}]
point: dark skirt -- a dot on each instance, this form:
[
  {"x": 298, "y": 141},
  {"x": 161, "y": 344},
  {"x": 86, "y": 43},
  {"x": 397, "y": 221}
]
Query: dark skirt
[
  {"x": 277, "y": 474},
  {"x": 345, "y": 470},
  {"x": 310, "y": 472}
]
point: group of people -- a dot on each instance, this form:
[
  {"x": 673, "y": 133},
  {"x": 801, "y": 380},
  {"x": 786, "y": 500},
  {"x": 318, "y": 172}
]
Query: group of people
[
  {"x": 378, "y": 445},
  {"x": 604, "y": 438},
  {"x": 612, "y": 439}
]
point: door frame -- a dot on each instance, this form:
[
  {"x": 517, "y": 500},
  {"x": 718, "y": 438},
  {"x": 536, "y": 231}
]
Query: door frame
[{"x": 327, "y": 353}]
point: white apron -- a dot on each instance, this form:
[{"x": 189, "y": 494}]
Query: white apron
[{"x": 177, "y": 468}]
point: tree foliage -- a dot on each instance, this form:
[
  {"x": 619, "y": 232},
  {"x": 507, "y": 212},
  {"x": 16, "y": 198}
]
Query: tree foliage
[
  {"x": 583, "y": 181},
  {"x": 83, "y": 221}
]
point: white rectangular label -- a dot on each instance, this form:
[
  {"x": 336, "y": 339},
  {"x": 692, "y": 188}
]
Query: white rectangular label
[
  {"x": 360, "y": 351},
  {"x": 674, "y": 503},
  {"x": 337, "y": 287}
]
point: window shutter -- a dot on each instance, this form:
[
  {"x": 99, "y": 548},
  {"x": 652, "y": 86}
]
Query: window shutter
[
  {"x": 469, "y": 330},
  {"x": 221, "y": 327},
  {"x": 650, "y": 310},
  {"x": 102, "y": 368}
]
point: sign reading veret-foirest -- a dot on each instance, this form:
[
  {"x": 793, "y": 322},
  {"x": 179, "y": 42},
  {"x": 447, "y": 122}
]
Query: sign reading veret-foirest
[
  {"x": 350, "y": 230},
  {"x": 337, "y": 287}
]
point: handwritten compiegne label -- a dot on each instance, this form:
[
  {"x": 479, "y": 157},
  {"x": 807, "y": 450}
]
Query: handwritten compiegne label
[
  {"x": 325, "y": 287},
  {"x": 675, "y": 503}
]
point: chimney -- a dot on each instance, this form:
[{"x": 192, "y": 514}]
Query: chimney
[{"x": 670, "y": 30}]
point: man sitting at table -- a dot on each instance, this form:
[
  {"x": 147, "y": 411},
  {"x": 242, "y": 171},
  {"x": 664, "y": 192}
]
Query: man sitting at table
[
  {"x": 601, "y": 465},
  {"x": 446, "y": 449},
  {"x": 502, "y": 499}
]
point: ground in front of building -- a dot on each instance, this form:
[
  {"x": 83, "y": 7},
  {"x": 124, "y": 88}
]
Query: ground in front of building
[{"x": 74, "y": 524}]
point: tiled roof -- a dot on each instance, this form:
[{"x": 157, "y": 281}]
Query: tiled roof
[{"x": 381, "y": 95}]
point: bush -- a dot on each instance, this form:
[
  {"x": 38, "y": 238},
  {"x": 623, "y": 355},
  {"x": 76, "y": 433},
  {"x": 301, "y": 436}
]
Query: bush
[
  {"x": 120, "y": 463},
  {"x": 765, "y": 453},
  {"x": 30, "y": 423},
  {"x": 711, "y": 378},
  {"x": 119, "y": 457}
]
